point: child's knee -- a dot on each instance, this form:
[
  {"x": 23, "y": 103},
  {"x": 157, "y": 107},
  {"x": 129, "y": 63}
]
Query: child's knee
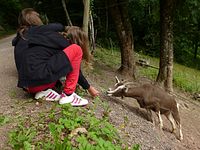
[{"x": 74, "y": 49}]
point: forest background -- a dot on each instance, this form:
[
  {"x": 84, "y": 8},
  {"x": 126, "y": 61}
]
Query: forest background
[{"x": 169, "y": 30}]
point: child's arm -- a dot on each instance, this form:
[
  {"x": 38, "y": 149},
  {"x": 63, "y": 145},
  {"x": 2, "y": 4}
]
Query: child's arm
[{"x": 82, "y": 81}]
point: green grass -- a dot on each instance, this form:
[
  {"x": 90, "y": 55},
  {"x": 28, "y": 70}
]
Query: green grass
[
  {"x": 68, "y": 128},
  {"x": 185, "y": 78},
  {"x": 148, "y": 72},
  {"x": 12, "y": 94},
  {"x": 109, "y": 57},
  {"x": 3, "y": 120}
]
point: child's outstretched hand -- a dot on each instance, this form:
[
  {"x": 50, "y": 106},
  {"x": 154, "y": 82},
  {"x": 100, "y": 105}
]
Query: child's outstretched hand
[{"x": 93, "y": 92}]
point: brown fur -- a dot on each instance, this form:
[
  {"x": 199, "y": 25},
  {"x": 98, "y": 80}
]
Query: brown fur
[{"x": 150, "y": 97}]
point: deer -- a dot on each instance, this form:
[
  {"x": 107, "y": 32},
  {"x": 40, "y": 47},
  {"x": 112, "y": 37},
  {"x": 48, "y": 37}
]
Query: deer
[{"x": 151, "y": 98}]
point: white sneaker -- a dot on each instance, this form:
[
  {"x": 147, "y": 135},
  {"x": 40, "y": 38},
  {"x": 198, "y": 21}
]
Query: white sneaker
[
  {"x": 73, "y": 99},
  {"x": 48, "y": 95}
]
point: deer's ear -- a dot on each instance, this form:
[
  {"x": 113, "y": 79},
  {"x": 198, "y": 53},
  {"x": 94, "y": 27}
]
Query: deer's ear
[{"x": 117, "y": 80}]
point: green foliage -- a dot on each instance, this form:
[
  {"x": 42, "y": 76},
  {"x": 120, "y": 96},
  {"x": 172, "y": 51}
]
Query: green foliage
[
  {"x": 111, "y": 57},
  {"x": 3, "y": 120},
  {"x": 9, "y": 13},
  {"x": 148, "y": 71},
  {"x": 145, "y": 18},
  {"x": 185, "y": 78},
  {"x": 100, "y": 131},
  {"x": 22, "y": 137},
  {"x": 187, "y": 34},
  {"x": 69, "y": 128}
]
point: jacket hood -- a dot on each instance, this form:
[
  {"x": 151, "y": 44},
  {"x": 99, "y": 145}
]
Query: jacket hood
[{"x": 48, "y": 39}]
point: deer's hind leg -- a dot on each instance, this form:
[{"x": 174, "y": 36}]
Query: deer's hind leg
[
  {"x": 176, "y": 116},
  {"x": 156, "y": 108},
  {"x": 153, "y": 104}
]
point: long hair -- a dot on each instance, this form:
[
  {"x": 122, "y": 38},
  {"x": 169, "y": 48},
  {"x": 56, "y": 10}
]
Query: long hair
[
  {"x": 28, "y": 17},
  {"x": 77, "y": 36}
]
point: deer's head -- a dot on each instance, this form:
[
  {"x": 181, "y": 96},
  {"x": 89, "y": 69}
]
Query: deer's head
[{"x": 119, "y": 88}]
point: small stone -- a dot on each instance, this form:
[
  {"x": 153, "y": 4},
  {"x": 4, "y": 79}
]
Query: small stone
[{"x": 37, "y": 103}]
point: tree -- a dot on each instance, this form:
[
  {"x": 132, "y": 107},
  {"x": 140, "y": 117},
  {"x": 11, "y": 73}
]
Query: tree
[
  {"x": 69, "y": 22},
  {"x": 119, "y": 13},
  {"x": 92, "y": 34},
  {"x": 9, "y": 13},
  {"x": 190, "y": 32},
  {"x": 165, "y": 74},
  {"x": 86, "y": 15}
]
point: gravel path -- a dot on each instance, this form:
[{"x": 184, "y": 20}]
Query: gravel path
[{"x": 8, "y": 78}]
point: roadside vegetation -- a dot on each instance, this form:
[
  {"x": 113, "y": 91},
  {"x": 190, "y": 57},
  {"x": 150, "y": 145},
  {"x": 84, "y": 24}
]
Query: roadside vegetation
[
  {"x": 184, "y": 78},
  {"x": 66, "y": 127}
]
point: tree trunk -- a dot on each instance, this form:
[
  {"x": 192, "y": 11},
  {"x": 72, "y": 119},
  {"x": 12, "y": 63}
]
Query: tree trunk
[
  {"x": 69, "y": 22},
  {"x": 107, "y": 20},
  {"x": 119, "y": 13},
  {"x": 196, "y": 41},
  {"x": 169, "y": 79},
  {"x": 92, "y": 38},
  {"x": 86, "y": 15},
  {"x": 165, "y": 74}
]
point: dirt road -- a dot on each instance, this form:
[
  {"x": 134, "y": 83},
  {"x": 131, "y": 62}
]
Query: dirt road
[
  {"x": 8, "y": 78},
  {"x": 14, "y": 102}
]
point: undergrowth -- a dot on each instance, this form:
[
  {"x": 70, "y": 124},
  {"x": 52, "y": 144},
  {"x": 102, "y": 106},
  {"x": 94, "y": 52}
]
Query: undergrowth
[
  {"x": 3, "y": 120},
  {"x": 184, "y": 78},
  {"x": 68, "y": 128}
]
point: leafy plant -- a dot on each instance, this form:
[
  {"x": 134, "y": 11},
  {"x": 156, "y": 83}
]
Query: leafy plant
[
  {"x": 3, "y": 120},
  {"x": 69, "y": 128},
  {"x": 22, "y": 137}
]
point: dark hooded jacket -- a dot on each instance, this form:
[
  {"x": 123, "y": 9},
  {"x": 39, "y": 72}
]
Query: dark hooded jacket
[{"x": 39, "y": 56}]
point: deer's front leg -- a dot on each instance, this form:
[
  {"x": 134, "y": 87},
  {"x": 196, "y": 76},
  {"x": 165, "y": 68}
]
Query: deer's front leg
[
  {"x": 153, "y": 104},
  {"x": 157, "y": 110},
  {"x": 160, "y": 119}
]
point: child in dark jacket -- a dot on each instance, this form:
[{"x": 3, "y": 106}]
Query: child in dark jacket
[{"x": 43, "y": 56}]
